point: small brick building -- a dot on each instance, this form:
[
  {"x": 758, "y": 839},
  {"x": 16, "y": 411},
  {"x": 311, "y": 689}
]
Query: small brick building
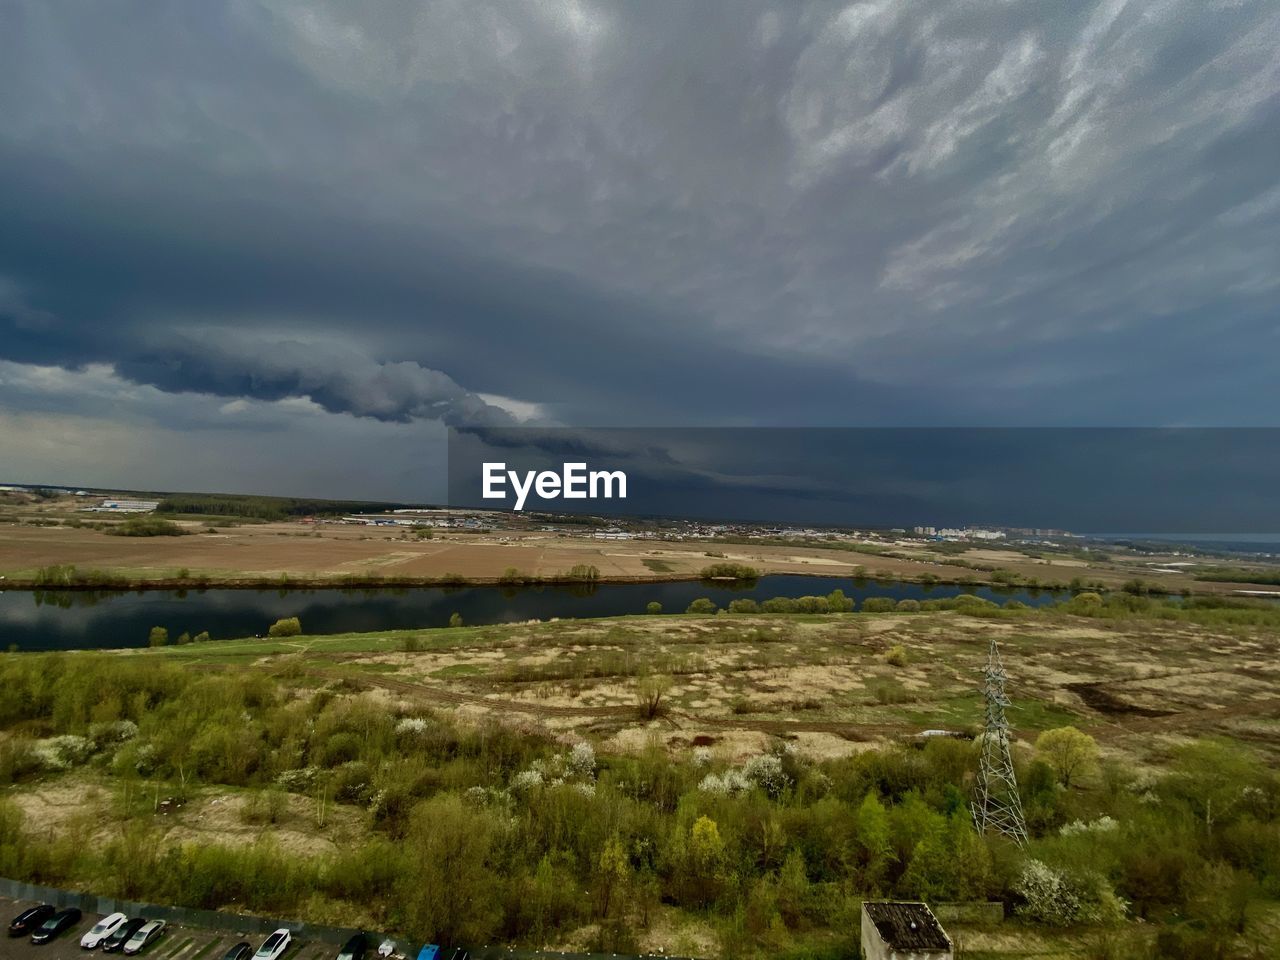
[{"x": 903, "y": 930}]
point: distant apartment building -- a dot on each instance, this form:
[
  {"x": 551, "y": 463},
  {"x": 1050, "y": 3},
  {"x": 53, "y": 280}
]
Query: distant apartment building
[
  {"x": 903, "y": 930},
  {"x": 959, "y": 533}
]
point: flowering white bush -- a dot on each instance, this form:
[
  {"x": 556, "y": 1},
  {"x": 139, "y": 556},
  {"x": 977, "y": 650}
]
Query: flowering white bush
[
  {"x": 1049, "y": 897},
  {"x": 1060, "y": 899},
  {"x": 701, "y": 757},
  {"x": 64, "y": 752},
  {"x": 1101, "y": 825},
  {"x": 113, "y": 731},
  {"x": 145, "y": 760},
  {"x": 581, "y": 761},
  {"x": 728, "y": 784},
  {"x": 411, "y": 727},
  {"x": 765, "y": 771},
  {"x": 527, "y": 780}
]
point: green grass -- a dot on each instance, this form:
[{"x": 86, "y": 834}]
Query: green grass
[{"x": 459, "y": 670}]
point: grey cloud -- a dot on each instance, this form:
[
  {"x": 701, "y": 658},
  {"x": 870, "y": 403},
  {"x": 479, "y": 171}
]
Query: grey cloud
[
  {"x": 758, "y": 212},
  {"x": 338, "y": 379}
]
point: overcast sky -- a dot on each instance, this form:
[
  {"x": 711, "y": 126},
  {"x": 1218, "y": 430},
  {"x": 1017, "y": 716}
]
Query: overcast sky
[{"x": 276, "y": 247}]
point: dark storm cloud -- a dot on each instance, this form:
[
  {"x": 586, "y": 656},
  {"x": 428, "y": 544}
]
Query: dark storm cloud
[{"x": 759, "y": 212}]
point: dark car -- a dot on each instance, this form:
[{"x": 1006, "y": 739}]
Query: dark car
[
  {"x": 27, "y": 921},
  {"x": 115, "y": 943},
  {"x": 354, "y": 949},
  {"x": 60, "y": 921},
  {"x": 241, "y": 951}
]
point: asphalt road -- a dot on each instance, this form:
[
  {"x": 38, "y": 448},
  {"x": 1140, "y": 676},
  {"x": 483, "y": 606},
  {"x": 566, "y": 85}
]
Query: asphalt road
[{"x": 177, "y": 943}]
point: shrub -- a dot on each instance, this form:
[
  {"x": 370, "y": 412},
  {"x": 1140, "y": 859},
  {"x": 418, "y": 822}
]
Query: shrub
[
  {"x": 653, "y": 607},
  {"x": 455, "y": 619},
  {"x": 147, "y": 527},
  {"x": 729, "y": 571},
  {"x": 896, "y": 656},
  {"x": 766, "y": 772},
  {"x": 878, "y": 605},
  {"x": 158, "y": 637},
  {"x": 837, "y": 602},
  {"x": 743, "y": 605},
  {"x": 285, "y": 627},
  {"x": 650, "y": 690},
  {"x": 702, "y": 605},
  {"x": 1061, "y": 899},
  {"x": 908, "y": 606}
]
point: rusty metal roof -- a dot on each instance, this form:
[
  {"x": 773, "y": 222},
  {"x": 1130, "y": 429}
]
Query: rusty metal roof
[{"x": 907, "y": 925}]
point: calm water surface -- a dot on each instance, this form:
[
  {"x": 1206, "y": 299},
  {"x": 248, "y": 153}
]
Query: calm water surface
[{"x": 70, "y": 619}]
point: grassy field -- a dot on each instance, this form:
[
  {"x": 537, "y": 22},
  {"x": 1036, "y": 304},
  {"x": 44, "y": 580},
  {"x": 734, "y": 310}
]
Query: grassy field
[
  {"x": 327, "y": 777},
  {"x": 824, "y": 682}
]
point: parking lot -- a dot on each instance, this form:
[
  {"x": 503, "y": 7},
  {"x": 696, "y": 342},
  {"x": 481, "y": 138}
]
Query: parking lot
[{"x": 177, "y": 943}]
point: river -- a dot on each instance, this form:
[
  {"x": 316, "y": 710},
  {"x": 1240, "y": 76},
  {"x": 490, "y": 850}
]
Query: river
[{"x": 74, "y": 619}]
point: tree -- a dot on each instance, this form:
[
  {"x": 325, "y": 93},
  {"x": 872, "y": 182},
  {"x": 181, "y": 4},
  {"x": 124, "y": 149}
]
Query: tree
[
  {"x": 446, "y": 884},
  {"x": 653, "y": 607},
  {"x": 613, "y": 870},
  {"x": 1070, "y": 752},
  {"x": 702, "y": 605},
  {"x": 159, "y": 636},
  {"x": 455, "y": 619}
]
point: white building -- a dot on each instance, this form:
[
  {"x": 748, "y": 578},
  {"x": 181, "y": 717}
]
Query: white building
[{"x": 126, "y": 506}]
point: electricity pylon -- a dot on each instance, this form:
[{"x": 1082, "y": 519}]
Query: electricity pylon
[{"x": 996, "y": 805}]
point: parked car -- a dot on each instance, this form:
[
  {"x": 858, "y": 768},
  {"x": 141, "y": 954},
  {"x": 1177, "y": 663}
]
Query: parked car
[
  {"x": 274, "y": 945},
  {"x": 355, "y": 948},
  {"x": 25, "y": 923},
  {"x": 103, "y": 929},
  {"x": 116, "y": 941},
  {"x": 241, "y": 951},
  {"x": 144, "y": 936},
  {"x": 60, "y": 921}
]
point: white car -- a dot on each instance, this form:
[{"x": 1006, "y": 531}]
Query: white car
[
  {"x": 102, "y": 929},
  {"x": 147, "y": 933},
  {"x": 274, "y": 945}
]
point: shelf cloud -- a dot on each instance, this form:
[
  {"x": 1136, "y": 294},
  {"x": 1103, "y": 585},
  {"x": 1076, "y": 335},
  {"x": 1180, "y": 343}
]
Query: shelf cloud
[{"x": 659, "y": 214}]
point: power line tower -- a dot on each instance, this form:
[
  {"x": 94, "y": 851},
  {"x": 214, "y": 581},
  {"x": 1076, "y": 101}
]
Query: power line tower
[{"x": 997, "y": 806}]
